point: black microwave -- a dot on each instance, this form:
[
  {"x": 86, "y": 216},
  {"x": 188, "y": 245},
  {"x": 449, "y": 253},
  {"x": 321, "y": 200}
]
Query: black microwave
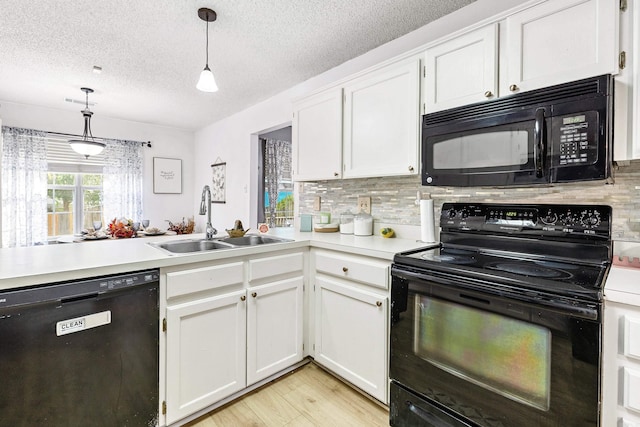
[{"x": 561, "y": 133}]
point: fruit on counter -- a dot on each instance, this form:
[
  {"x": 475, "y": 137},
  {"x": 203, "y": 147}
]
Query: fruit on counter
[{"x": 387, "y": 232}]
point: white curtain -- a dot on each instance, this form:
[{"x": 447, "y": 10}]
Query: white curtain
[
  {"x": 122, "y": 180},
  {"x": 24, "y": 187},
  {"x": 277, "y": 161}
]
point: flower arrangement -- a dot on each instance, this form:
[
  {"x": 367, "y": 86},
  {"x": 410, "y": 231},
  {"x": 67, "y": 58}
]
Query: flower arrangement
[
  {"x": 121, "y": 228},
  {"x": 182, "y": 227}
]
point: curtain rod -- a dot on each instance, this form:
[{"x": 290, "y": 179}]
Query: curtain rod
[{"x": 143, "y": 143}]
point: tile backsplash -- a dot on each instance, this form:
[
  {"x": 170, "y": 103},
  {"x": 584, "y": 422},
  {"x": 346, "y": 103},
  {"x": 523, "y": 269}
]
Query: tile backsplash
[{"x": 392, "y": 198}]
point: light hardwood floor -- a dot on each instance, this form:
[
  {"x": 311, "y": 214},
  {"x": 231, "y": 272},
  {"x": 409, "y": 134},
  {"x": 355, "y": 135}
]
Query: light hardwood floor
[{"x": 308, "y": 396}]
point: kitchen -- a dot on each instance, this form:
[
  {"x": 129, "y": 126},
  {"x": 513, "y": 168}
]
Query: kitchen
[{"x": 231, "y": 140}]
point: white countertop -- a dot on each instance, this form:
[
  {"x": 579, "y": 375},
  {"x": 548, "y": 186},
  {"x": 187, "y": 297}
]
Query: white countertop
[
  {"x": 35, "y": 265},
  {"x": 623, "y": 281}
]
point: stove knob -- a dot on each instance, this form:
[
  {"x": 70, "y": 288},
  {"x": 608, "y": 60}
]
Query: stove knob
[
  {"x": 550, "y": 218},
  {"x": 451, "y": 213},
  {"x": 567, "y": 219},
  {"x": 464, "y": 213},
  {"x": 590, "y": 219}
]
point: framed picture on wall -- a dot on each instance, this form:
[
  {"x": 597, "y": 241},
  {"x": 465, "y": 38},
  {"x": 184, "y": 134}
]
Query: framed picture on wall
[
  {"x": 167, "y": 176},
  {"x": 219, "y": 187}
]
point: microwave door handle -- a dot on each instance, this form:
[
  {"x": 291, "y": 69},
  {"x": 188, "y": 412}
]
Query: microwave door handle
[{"x": 539, "y": 143}]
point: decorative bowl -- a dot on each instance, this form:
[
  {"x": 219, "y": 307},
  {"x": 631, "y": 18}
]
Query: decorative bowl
[{"x": 237, "y": 233}]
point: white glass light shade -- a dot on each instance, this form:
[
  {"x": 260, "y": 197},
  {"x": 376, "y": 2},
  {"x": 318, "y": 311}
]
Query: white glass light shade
[
  {"x": 207, "y": 83},
  {"x": 86, "y": 148}
]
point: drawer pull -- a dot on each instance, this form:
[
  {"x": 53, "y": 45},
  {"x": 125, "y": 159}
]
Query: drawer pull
[
  {"x": 336, "y": 174},
  {"x": 253, "y": 294},
  {"x": 410, "y": 168},
  {"x": 513, "y": 88},
  {"x": 345, "y": 269},
  {"x": 488, "y": 94},
  {"x": 379, "y": 303},
  {"x": 242, "y": 298}
]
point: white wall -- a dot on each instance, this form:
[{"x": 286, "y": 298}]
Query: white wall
[
  {"x": 165, "y": 141},
  {"x": 234, "y": 139}
]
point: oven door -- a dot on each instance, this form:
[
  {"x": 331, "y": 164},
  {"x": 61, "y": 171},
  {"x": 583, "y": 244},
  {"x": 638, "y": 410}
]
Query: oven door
[{"x": 470, "y": 357}]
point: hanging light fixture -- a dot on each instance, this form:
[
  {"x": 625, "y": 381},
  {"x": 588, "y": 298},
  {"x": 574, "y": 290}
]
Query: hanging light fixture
[
  {"x": 85, "y": 146},
  {"x": 207, "y": 83}
]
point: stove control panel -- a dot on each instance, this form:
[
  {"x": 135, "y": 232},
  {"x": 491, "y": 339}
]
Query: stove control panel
[{"x": 544, "y": 219}]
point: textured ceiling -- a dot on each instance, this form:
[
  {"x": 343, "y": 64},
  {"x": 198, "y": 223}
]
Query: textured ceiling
[{"x": 152, "y": 51}]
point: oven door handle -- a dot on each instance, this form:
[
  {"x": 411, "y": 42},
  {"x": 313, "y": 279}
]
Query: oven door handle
[
  {"x": 427, "y": 416},
  {"x": 539, "y": 143}
]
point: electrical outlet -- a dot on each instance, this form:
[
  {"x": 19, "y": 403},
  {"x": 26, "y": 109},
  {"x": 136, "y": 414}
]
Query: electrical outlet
[
  {"x": 364, "y": 204},
  {"x": 316, "y": 203}
]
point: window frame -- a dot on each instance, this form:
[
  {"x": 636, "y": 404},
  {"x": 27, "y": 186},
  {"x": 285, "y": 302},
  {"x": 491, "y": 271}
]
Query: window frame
[{"x": 78, "y": 189}]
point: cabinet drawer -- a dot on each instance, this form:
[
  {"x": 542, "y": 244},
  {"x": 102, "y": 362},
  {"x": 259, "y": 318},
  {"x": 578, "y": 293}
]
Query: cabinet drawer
[
  {"x": 203, "y": 279},
  {"x": 275, "y": 265},
  {"x": 369, "y": 271}
]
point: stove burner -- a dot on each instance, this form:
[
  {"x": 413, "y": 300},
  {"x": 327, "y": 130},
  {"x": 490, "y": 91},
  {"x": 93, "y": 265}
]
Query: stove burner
[
  {"x": 533, "y": 270},
  {"x": 558, "y": 265},
  {"x": 452, "y": 259}
]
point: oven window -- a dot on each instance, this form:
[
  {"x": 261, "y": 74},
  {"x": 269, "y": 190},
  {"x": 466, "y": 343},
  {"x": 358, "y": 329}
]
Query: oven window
[
  {"x": 507, "y": 356},
  {"x": 482, "y": 150}
]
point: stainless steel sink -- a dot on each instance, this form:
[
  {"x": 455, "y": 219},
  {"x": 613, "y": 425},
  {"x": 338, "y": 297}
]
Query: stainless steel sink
[
  {"x": 187, "y": 246},
  {"x": 252, "y": 240},
  {"x": 202, "y": 245}
]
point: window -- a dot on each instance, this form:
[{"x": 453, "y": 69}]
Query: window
[
  {"x": 276, "y": 184},
  {"x": 49, "y": 190},
  {"x": 74, "y": 201}
]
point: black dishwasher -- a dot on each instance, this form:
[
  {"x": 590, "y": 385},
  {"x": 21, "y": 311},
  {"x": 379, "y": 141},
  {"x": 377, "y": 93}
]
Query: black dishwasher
[{"x": 81, "y": 353}]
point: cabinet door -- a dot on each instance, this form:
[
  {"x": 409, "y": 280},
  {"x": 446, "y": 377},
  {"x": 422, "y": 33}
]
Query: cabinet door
[
  {"x": 206, "y": 352},
  {"x": 274, "y": 328},
  {"x": 462, "y": 71},
  {"x": 560, "y": 41},
  {"x": 382, "y": 122},
  {"x": 317, "y": 137},
  {"x": 351, "y": 335}
]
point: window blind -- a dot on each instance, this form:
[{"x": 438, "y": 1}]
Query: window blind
[{"x": 61, "y": 158}]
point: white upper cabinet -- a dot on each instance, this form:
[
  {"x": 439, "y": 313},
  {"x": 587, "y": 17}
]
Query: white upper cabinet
[
  {"x": 463, "y": 70},
  {"x": 382, "y": 122},
  {"x": 317, "y": 137},
  {"x": 552, "y": 42},
  {"x": 559, "y": 41}
]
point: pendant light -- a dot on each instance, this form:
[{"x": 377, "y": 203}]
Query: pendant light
[
  {"x": 85, "y": 146},
  {"x": 207, "y": 83}
]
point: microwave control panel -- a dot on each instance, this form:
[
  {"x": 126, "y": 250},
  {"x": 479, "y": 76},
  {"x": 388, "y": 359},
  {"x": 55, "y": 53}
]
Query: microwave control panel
[{"x": 575, "y": 139}]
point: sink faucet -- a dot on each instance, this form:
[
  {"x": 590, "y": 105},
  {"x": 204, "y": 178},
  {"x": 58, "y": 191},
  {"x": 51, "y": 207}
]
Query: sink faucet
[{"x": 205, "y": 208}]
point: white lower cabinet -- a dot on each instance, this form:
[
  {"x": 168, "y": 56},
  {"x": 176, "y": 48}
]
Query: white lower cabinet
[
  {"x": 206, "y": 352},
  {"x": 229, "y": 325},
  {"x": 351, "y": 320},
  {"x": 621, "y": 365},
  {"x": 274, "y": 328}
]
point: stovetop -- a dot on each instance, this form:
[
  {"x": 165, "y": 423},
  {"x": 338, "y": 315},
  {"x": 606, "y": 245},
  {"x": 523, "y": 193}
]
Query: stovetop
[{"x": 552, "y": 249}]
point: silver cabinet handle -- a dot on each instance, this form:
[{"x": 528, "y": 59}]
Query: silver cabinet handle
[
  {"x": 242, "y": 298},
  {"x": 410, "y": 168},
  {"x": 513, "y": 88},
  {"x": 345, "y": 269},
  {"x": 488, "y": 94},
  {"x": 336, "y": 174},
  {"x": 379, "y": 303},
  {"x": 253, "y": 294}
]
